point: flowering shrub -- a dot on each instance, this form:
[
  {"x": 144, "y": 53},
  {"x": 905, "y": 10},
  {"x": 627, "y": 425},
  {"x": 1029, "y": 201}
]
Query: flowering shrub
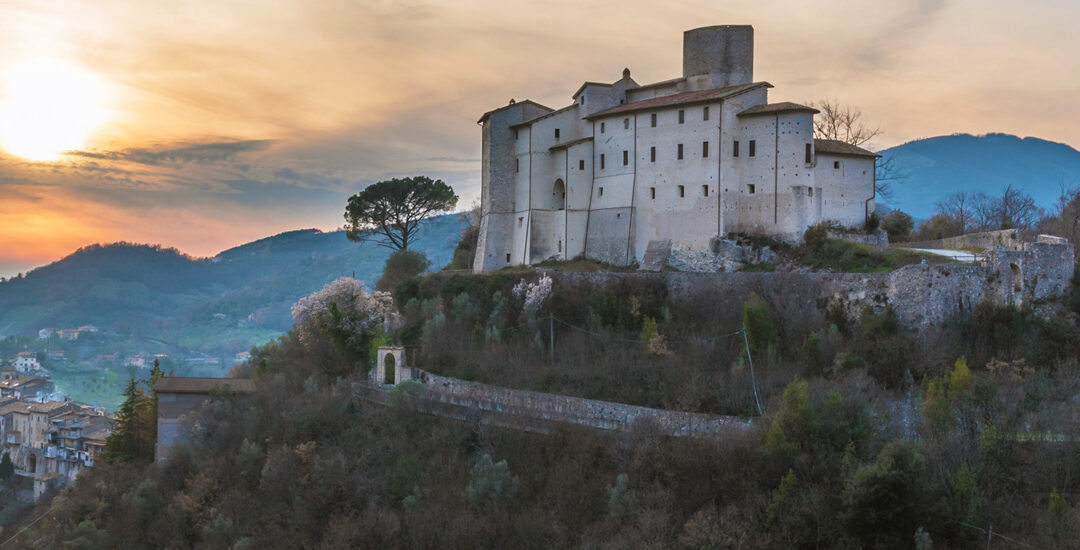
[
  {"x": 344, "y": 312},
  {"x": 535, "y": 293}
]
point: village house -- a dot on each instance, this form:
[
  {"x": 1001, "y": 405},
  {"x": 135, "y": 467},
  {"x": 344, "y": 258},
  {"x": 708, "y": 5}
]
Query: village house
[
  {"x": 675, "y": 162},
  {"x": 26, "y": 362},
  {"x": 25, "y": 388},
  {"x": 180, "y": 399}
]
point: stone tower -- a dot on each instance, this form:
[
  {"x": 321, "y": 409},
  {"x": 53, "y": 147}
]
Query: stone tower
[{"x": 718, "y": 56}]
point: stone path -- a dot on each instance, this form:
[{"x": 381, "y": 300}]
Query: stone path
[{"x": 958, "y": 255}]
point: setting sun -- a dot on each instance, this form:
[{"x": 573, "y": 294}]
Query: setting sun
[{"x": 48, "y": 107}]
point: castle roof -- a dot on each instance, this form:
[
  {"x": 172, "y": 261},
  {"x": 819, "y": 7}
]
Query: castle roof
[
  {"x": 684, "y": 98},
  {"x": 837, "y": 147},
  {"x": 545, "y": 115},
  {"x": 569, "y": 144},
  {"x": 777, "y": 108},
  {"x": 512, "y": 104}
]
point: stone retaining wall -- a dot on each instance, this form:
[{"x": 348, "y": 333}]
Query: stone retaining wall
[{"x": 536, "y": 411}]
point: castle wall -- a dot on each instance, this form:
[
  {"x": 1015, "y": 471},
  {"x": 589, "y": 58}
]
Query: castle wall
[{"x": 846, "y": 182}]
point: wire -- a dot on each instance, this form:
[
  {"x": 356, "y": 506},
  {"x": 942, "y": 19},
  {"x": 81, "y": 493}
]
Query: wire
[{"x": 29, "y": 525}]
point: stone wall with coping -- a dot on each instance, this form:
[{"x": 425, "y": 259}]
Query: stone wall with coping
[
  {"x": 1009, "y": 239},
  {"x": 537, "y": 411}
]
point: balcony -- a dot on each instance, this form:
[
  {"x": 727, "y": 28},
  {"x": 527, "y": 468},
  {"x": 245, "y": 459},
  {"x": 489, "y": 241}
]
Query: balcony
[{"x": 51, "y": 452}]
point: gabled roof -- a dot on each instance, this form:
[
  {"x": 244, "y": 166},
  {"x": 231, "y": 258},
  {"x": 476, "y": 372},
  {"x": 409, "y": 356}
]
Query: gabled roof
[
  {"x": 545, "y": 115},
  {"x": 837, "y": 147},
  {"x": 684, "y": 98},
  {"x": 662, "y": 83},
  {"x": 514, "y": 104},
  {"x": 778, "y": 108},
  {"x": 180, "y": 384},
  {"x": 587, "y": 84}
]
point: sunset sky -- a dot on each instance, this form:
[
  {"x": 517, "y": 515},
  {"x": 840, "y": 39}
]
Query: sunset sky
[{"x": 206, "y": 124}]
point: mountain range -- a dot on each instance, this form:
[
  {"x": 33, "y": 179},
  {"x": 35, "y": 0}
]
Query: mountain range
[
  {"x": 241, "y": 296},
  {"x": 937, "y": 167}
]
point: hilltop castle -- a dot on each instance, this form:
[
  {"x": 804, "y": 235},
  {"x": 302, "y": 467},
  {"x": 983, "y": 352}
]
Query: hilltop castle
[{"x": 677, "y": 161}]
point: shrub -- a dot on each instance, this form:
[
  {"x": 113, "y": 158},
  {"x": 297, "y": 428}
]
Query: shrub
[
  {"x": 898, "y": 225},
  {"x": 873, "y": 221},
  {"x": 490, "y": 484},
  {"x": 401, "y": 265},
  {"x": 884, "y": 500}
]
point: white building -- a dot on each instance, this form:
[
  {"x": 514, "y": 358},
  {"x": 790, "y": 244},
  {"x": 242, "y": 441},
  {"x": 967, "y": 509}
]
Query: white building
[
  {"x": 26, "y": 362},
  {"x": 681, "y": 160}
]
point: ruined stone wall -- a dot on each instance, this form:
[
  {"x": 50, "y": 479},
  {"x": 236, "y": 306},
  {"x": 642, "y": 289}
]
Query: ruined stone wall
[
  {"x": 1009, "y": 239},
  {"x": 536, "y": 411}
]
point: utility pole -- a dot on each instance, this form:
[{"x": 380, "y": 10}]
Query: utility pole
[{"x": 753, "y": 380}]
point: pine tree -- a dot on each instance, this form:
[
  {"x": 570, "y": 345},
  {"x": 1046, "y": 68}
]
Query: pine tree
[{"x": 123, "y": 444}]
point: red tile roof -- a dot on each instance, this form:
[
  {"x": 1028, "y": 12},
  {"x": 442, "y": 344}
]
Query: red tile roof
[
  {"x": 775, "y": 108},
  {"x": 684, "y": 98},
  {"x": 837, "y": 147}
]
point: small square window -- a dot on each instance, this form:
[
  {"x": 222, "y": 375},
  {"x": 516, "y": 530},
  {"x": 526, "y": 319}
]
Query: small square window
[
  {"x": 601, "y": 192},
  {"x": 581, "y": 164},
  {"x": 556, "y": 133},
  {"x": 601, "y": 161},
  {"x": 705, "y": 113},
  {"x": 735, "y": 149},
  {"x": 836, "y": 165},
  {"x": 682, "y": 116},
  {"x": 652, "y": 120},
  {"x": 753, "y": 147},
  {"x": 750, "y": 188},
  {"x": 680, "y": 152},
  {"x": 625, "y": 158},
  {"x": 652, "y": 192},
  {"x": 705, "y": 190},
  {"x": 626, "y": 124},
  {"x": 682, "y": 191},
  {"x": 602, "y": 125},
  {"x": 704, "y": 149},
  {"x": 652, "y": 154}
]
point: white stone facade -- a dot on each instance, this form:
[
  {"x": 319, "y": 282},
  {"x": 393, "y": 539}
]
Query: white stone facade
[{"x": 680, "y": 160}]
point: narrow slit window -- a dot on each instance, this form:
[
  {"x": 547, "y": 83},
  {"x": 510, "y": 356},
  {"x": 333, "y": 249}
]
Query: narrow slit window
[
  {"x": 652, "y": 154},
  {"x": 507, "y": 257},
  {"x": 601, "y": 192},
  {"x": 809, "y": 191},
  {"x": 652, "y": 120},
  {"x": 809, "y": 153},
  {"x": 680, "y": 152},
  {"x": 705, "y": 113},
  {"x": 652, "y": 192},
  {"x": 704, "y": 149},
  {"x": 517, "y": 165},
  {"x": 601, "y": 161},
  {"x": 753, "y": 147},
  {"x": 581, "y": 164},
  {"x": 602, "y": 126},
  {"x": 625, "y": 124},
  {"x": 682, "y": 191},
  {"x": 556, "y": 133},
  {"x": 625, "y": 158},
  {"x": 705, "y": 190},
  {"x": 682, "y": 116},
  {"x": 735, "y": 149}
]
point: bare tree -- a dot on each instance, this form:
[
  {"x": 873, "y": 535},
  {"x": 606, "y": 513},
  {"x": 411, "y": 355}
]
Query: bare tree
[
  {"x": 1013, "y": 209},
  {"x": 843, "y": 123},
  {"x": 960, "y": 206}
]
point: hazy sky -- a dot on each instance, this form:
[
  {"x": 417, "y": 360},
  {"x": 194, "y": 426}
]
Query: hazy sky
[{"x": 219, "y": 122}]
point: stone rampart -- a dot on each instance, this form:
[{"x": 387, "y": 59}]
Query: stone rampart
[
  {"x": 536, "y": 411},
  {"x": 1009, "y": 239}
]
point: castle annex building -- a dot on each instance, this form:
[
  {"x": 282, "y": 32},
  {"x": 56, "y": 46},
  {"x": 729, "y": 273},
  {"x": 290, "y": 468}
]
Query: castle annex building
[{"x": 677, "y": 161}]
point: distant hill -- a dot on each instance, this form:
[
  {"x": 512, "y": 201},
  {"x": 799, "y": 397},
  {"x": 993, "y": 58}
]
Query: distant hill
[
  {"x": 939, "y": 166},
  {"x": 241, "y": 296}
]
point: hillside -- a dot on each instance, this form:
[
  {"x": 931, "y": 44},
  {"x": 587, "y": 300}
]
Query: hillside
[
  {"x": 939, "y": 166},
  {"x": 162, "y": 293}
]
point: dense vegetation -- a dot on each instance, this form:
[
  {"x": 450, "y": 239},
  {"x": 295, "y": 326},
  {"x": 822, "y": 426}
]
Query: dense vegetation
[{"x": 872, "y": 436}]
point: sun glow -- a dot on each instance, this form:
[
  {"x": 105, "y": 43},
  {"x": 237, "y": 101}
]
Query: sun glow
[{"x": 48, "y": 107}]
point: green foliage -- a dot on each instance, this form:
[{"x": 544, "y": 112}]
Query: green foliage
[
  {"x": 401, "y": 265},
  {"x": 7, "y": 468},
  {"x": 394, "y": 209},
  {"x": 465, "y": 251},
  {"x": 873, "y": 222},
  {"x": 761, "y": 330},
  {"x": 491, "y": 485},
  {"x": 898, "y": 225},
  {"x": 812, "y": 354},
  {"x": 935, "y": 405},
  {"x": 406, "y": 393},
  {"x": 847, "y": 257},
  {"x": 621, "y": 498},
  {"x": 884, "y": 500},
  {"x": 789, "y": 514},
  {"x": 961, "y": 382},
  {"x": 87, "y": 536},
  {"x": 815, "y": 236},
  {"x": 1056, "y": 510}
]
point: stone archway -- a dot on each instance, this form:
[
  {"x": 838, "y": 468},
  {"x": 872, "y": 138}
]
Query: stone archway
[
  {"x": 558, "y": 195},
  {"x": 390, "y": 365}
]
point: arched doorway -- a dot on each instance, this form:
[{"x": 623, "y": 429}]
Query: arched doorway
[
  {"x": 391, "y": 370},
  {"x": 558, "y": 195},
  {"x": 1018, "y": 281}
]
